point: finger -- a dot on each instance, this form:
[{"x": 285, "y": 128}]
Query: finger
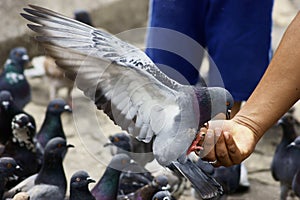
[
  {"x": 233, "y": 150},
  {"x": 221, "y": 150},
  {"x": 208, "y": 152}
]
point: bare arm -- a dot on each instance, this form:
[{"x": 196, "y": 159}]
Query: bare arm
[{"x": 277, "y": 91}]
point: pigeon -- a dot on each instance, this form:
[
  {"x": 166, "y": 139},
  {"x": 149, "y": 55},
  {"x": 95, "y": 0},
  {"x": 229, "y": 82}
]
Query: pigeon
[
  {"x": 83, "y": 16},
  {"x": 13, "y": 79},
  {"x": 163, "y": 195},
  {"x": 50, "y": 182},
  {"x": 8, "y": 167},
  {"x": 107, "y": 187},
  {"x": 286, "y": 158},
  {"x": 52, "y": 125},
  {"x": 124, "y": 83},
  {"x": 8, "y": 110},
  {"x": 139, "y": 151},
  {"x": 22, "y": 148},
  {"x": 79, "y": 189},
  {"x": 160, "y": 182},
  {"x": 296, "y": 184}
]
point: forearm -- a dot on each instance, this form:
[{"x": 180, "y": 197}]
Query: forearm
[{"x": 279, "y": 88}]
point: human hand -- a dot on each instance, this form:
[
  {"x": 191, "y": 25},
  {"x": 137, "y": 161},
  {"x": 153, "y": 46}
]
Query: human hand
[{"x": 227, "y": 142}]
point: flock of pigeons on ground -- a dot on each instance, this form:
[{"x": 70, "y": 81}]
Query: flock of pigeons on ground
[{"x": 31, "y": 162}]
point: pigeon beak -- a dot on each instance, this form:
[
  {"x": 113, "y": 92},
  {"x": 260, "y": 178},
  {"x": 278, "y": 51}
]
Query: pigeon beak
[
  {"x": 25, "y": 57},
  {"x": 228, "y": 112},
  {"x": 30, "y": 126},
  {"x": 67, "y": 108},
  {"x": 166, "y": 187},
  {"x": 70, "y": 146},
  {"x": 5, "y": 104},
  {"x": 90, "y": 180},
  {"x": 107, "y": 144},
  {"x": 280, "y": 121}
]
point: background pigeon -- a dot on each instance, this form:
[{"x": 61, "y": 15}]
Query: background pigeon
[
  {"x": 286, "y": 159},
  {"x": 52, "y": 126},
  {"x": 8, "y": 110},
  {"x": 13, "y": 79},
  {"x": 79, "y": 189},
  {"x": 50, "y": 182}
]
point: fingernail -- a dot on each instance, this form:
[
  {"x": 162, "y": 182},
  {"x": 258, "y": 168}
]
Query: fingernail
[
  {"x": 226, "y": 135},
  {"x": 218, "y": 132}
]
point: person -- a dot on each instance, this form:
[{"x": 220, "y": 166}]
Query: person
[
  {"x": 236, "y": 34},
  {"x": 277, "y": 91}
]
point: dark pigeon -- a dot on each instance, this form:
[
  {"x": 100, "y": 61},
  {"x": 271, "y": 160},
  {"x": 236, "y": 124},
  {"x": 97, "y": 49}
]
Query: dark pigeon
[
  {"x": 83, "y": 16},
  {"x": 50, "y": 182},
  {"x": 52, "y": 125},
  {"x": 79, "y": 187},
  {"x": 286, "y": 160},
  {"x": 8, "y": 110},
  {"x": 163, "y": 195},
  {"x": 296, "y": 184},
  {"x": 129, "y": 88},
  {"x": 22, "y": 148},
  {"x": 107, "y": 187},
  {"x": 159, "y": 183},
  {"x": 13, "y": 79},
  {"x": 8, "y": 167}
]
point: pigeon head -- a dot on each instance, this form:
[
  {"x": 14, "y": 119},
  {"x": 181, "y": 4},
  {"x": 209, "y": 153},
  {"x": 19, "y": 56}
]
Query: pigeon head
[
  {"x": 6, "y": 99},
  {"x": 295, "y": 143},
  {"x": 22, "y": 121},
  {"x": 213, "y": 101},
  {"x": 83, "y": 16},
  {"x": 56, "y": 148},
  {"x": 8, "y": 166},
  {"x": 161, "y": 181},
  {"x": 58, "y": 106},
  {"x": 120, "y": 140},
  {"x": 19, "y": 57},
  {"x": 81, "y": 179},
  {"x": 162, "y": 195},
  {"x": 120, "y": 161},
  {"x": 288, "y": 120}
]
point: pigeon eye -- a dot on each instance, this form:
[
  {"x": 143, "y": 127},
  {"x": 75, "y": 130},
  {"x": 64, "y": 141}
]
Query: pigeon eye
[
  {"x": 116, "y": 139},
  {"x": 227, "y": 103},
  {"x": 78, "y": 179},
  {"x": 124, "y": 162},
  {"x": 9, "y": 165},
  {"x": 56, "y": 106},
  {"x": 59, "y": 145}
]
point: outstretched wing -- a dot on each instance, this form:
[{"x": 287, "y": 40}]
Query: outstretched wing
[{"x": 119, "y": 77}]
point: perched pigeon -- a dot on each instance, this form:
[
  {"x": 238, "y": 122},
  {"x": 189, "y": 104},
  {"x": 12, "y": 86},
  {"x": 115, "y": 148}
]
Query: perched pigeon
[
  {"x": 8, "y": 110},
  {"x": 50, "y": 182},
  {"x": 22, "y": 148},
  {"x": 107, "y": 187},
  {"x": 79, "y": 189},
  {"x": 52, "y": 125},
  {"x": 162, "y": 195},
  {"x": 286, "y": 160},
  {"x": 127, "y": 85},
  {"x": 13, "y": 79},
  {"x": 159, "y": 183},
  {"x": 8, "y": 167}
]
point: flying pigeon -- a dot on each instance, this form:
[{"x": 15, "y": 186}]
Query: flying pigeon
[
  {"x": 286, "y": 161},
  {"x": 13, "y": 79},
  {"x": 50, "y": 182},
  {"x": 79, "y": 189},
  {"x": 8, "y": 110},
  {"x": 127, "y": 85},
  {"x": 52, "y": 125}
]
